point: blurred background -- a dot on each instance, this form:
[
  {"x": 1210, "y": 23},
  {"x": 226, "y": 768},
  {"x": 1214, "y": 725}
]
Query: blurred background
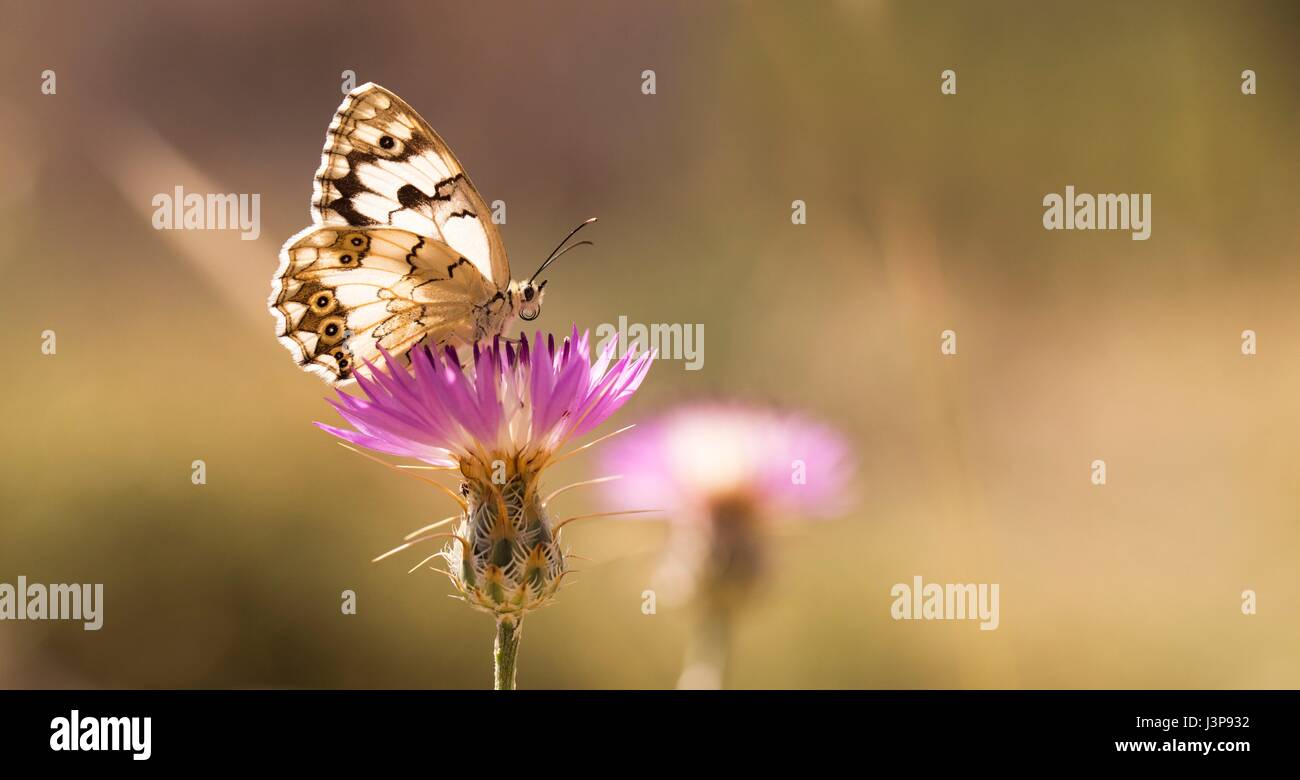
[{"x": 923, "y": 214}]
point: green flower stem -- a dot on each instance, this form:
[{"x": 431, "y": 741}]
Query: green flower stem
[{"x": 506, "y": 652}]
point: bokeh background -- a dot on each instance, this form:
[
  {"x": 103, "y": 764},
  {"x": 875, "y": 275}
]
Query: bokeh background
[{"x": 924, "y": 214}]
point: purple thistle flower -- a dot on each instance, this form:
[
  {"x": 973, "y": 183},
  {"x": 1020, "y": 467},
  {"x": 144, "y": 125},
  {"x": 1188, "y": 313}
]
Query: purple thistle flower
[
  {"x": 498, "y": 421},
  {"x": 781, "y": 464},
  {"x": 511, "y": 404},
  {"x": 722, "y": 471}
]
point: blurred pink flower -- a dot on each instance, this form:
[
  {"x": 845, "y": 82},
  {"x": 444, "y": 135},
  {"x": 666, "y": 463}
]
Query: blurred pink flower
[
  {"x": 689, "y": 459},
  {"x": 722, "y": 470}
]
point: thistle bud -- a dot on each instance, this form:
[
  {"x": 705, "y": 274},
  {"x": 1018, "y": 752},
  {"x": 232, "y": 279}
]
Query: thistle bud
[{"x": 506, "y": 557}]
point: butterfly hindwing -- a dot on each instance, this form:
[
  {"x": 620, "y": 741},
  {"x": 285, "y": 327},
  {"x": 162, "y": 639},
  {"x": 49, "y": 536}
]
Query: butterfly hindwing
[
  {"x": 343, "y": 292},
  {"x": 383, "y": 165}
]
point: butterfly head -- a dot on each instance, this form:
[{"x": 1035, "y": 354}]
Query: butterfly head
[
  {"x": 528, "y": 295},
  {"x": 528, "y": 299}
]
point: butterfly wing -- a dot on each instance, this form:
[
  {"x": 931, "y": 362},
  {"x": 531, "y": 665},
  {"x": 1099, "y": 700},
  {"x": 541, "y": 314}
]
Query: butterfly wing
[
  {"x": 343, "y": 292},
  {"x": 384, "y": 166}
]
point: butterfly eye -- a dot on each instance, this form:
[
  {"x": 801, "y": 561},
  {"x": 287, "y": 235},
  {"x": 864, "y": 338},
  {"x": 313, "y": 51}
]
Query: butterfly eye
[
  {"x": 323, "y": 302},
  {"x": 528, "y": 293}
]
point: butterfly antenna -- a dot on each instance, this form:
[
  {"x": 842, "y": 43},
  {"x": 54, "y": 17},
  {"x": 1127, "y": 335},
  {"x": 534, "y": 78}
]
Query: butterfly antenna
[{"x": 560, "y": 249}]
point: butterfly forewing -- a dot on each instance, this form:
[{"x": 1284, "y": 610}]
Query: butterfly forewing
[
  {"x": 384, "y": 165},
  {"x": 403, "y": 248}
]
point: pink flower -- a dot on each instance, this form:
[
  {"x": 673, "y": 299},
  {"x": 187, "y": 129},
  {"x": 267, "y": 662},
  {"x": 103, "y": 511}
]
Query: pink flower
[
  {"x": 498, "y": 423},
  {"x": 692, "y": 457},
  {"x": 512, "y": 404},
  {"x": 722, "y": 471}
]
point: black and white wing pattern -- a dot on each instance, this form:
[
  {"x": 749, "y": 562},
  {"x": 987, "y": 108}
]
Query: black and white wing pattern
[
  {"x": 346, "y": 292},
  {"x": 384, "y": 166},
  {"x": 403, "y": 248}
]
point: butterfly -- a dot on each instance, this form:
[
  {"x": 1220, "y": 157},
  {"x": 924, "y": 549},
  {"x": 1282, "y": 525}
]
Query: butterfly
[{"x": 402, "y": 249}]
